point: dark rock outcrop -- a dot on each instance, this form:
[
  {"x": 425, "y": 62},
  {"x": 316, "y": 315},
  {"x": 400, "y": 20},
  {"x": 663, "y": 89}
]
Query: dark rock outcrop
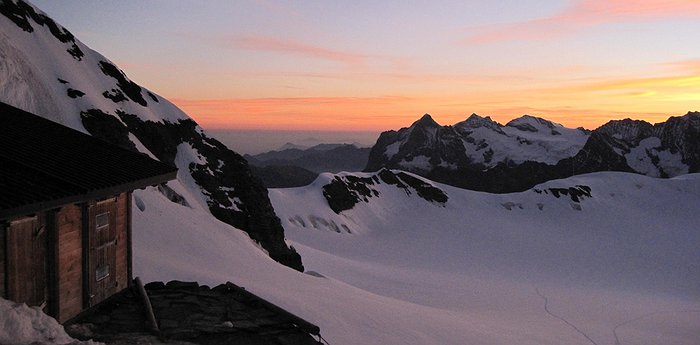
[
  {"x": 108, "y": 128},
  {"x": 128, "y": 87},
  {"x": 235, "y": 196},
  {"x": 344, "y": 192},
  {"x": 21, "y": 13},
  {"x": 576, "y": 194}
]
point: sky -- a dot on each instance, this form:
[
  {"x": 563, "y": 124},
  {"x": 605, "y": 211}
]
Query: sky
[{"x": 379, "y": 65}]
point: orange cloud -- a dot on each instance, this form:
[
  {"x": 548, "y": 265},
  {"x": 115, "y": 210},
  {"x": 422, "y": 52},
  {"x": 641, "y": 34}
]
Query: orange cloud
[
  {"x": 299, "y": 113},
  {"x": 584, "y": 102},
  {"x": 587, "y": 13},
  {"x": 657, "y": 86}
]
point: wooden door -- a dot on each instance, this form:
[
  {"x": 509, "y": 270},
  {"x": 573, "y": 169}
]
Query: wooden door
[
  {"x": 103, "y": 254},
  {"x": 26, "y": 261}
]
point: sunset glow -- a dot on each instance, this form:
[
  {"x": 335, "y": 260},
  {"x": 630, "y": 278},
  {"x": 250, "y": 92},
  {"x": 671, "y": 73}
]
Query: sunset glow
[{"x": 375, "y": 66}]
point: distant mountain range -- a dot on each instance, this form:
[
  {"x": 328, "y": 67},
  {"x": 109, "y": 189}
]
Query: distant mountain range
[
  {"x": 295, "y": 166},
  {"x": 481, "y": 154}
]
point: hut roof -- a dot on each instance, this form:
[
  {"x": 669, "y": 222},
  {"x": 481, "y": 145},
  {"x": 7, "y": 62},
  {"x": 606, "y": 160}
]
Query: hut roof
[{"x": 44, "y": 165}]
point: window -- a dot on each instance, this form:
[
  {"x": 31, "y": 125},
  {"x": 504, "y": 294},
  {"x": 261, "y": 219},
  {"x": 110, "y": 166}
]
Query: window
[
  {"x": 101, "y": 272},
  {"x": 102, "y": 221}
]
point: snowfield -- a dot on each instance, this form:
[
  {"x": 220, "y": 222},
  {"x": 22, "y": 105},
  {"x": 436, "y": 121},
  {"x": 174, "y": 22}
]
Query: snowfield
[{"x": 619, "y": 267}]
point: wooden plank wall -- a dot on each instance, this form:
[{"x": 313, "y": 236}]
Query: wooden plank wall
[
  {"x": 70, "y": 288},
  {"x": 69, "y": 277},
  {"x": 26, "y": 260},
  {"x": 2, "y": 260},
  {"x": 122, "y": 250},
  {"x": 103, "y": 253},
  {"x": 103, "y": 243},
  {"x": 19, "y": 270}
]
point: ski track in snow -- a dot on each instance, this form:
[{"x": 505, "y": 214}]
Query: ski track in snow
[
  {"x": 625, "y": 254},
  {"x": 546, "y": 309},
  {"x": 617, "y": 339}
]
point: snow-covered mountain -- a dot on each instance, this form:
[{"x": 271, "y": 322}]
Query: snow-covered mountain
[
  {"x": 475, "y": 141},
  {"x": 664, "y": 149},
  {"x": 44, "y": 69},
  {"x": 481, "y": 154},
  {"x": 602, "y": 258}
]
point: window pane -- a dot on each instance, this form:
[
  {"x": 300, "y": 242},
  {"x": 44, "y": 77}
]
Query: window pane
[
  {"x": 102, "y": 220},
  {"x": 101, "y": 272}
]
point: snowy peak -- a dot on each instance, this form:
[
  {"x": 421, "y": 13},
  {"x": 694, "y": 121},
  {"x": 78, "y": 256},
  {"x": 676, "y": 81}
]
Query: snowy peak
[
  {"x": 534, "y": 124},
  {"x": 26, "y": 17},
  {"x": 678, "y": 126},
  {"x": 665, "y": 149},
  {"x": 476, "y": 121},
  {"x": 691, "y": 116},
  {"x": 481, "y": 154},
  {"x": 628, "y": 130},
  {"x": 477, "y": 143},
  {"x": 426, "y": 121}
]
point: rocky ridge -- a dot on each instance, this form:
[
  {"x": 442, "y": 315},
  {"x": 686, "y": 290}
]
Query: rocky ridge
[{"x": 482, "y": 154}]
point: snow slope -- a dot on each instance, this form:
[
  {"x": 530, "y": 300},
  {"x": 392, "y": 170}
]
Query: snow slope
[
  {"x": 165, "y": 248},
  {"x": 618, "y": 267}
]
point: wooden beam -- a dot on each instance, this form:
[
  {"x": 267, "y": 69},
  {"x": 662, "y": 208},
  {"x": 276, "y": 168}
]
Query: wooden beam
[
  {"x": 85, "y": 239},
  {"x": 147, "y": 306},
  {"x": 129, "y": 248},
  {"x": 52, "y": 266},
  {"x": 3, "y": 259}
]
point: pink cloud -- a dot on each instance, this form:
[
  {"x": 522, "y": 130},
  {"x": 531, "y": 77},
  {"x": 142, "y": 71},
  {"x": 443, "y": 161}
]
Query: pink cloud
[
  {"x": 600, "y": 10},
  {"x": 587, "y": 13},
  {"x": 266, "y": 43},
  {"x": 286, "y": 46},
  {"x": 692, "y": 66}
]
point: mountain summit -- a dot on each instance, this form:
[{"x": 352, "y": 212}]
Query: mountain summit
[
  {"x": 665, "y": 149},
  {"x": 480, "y": 153},
  {"x": 476, "y": 141},
  {"x": 425, "y": 121}
]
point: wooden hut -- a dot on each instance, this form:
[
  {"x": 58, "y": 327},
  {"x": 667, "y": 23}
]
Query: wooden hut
[{"x": 65, "y": 213}]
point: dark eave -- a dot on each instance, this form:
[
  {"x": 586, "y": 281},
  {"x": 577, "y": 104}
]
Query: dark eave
[
  {"x": 98, "y": 194},
  {"x": 45, "y": 165}
]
